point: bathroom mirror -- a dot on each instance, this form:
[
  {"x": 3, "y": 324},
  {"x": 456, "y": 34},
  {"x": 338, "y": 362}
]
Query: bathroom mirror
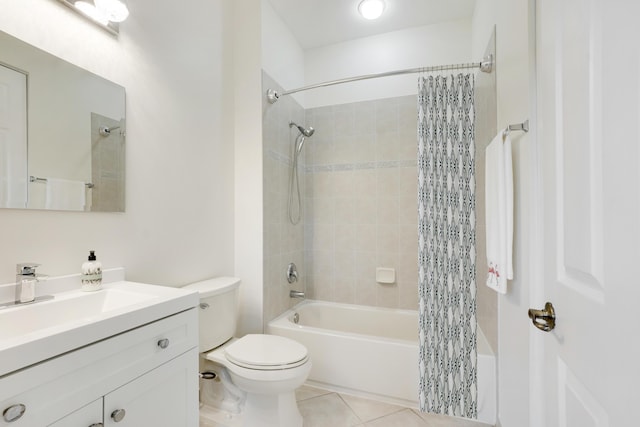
[{"x": 62, "y": 133}]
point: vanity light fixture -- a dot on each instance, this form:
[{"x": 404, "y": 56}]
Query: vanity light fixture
[
  {"x": 92, "y": 12},
  {"x": 115, "y": 10},
  {"x": 106, "y": 13},
  {"x": 371, "y": 9}
]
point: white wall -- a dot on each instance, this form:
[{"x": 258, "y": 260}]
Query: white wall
[
  {"x": 282, "y": 55},
  {"x": 178, "y": 225},
  {"x": 447, "y": 43},
  {"x": 247, "y": 125},
  {"x": 511, "y": 18}
]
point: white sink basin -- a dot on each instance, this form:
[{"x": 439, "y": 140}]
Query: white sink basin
[
  {"x": 70, "y": 307},
  {"x": 34, "y": 332}
]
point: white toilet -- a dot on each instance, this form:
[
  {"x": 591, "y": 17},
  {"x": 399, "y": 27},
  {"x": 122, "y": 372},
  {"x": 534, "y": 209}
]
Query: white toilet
[{"x": 260, "y": 373}]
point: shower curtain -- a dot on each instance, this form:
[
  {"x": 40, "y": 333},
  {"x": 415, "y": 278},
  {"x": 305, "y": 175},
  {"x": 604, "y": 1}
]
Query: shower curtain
[{"x": 446, "y": 253}]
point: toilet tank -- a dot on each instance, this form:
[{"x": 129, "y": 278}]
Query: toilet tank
[{"x": 218, "y": 310}]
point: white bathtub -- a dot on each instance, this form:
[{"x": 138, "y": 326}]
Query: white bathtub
[{"x": 372, "y": 352}]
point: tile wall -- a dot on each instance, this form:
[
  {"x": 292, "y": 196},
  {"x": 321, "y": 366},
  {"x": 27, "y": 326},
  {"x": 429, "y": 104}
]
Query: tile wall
[
  {"x": 283, "y": 242},
  {"x": 486, "y": 128},
  {"x": 107, "y": 166},
  {"x": 360, "y": 202}
]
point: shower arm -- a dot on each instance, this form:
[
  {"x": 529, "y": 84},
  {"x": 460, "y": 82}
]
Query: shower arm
[
  {"x": 106, "y": 131},
  {"x": 485, "y": 66}
]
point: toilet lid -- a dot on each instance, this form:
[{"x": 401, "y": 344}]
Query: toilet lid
[{"x": 257, "y": 351}]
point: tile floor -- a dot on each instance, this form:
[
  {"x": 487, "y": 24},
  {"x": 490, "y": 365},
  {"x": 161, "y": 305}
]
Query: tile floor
[{"x": 322, "y": 408}]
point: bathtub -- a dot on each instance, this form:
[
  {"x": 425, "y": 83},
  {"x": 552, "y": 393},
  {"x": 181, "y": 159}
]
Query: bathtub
[{"x": 372, "y": 352}]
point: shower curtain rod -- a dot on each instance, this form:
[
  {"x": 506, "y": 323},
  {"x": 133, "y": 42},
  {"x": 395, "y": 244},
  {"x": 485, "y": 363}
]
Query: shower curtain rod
[{"x": 486, "y": 65}]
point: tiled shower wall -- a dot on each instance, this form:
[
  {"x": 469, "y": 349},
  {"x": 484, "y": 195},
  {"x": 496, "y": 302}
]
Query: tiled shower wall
[
  {"x": 283, "y": 242},
  {"x": 107, "y": 166},
  {"x": 361, "y": 202},
  {"x": 486, "y": 128}
]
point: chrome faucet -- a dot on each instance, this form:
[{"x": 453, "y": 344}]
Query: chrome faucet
[
  {"x": 26, "y": 280},
  {"x": 296, "y": 294}
]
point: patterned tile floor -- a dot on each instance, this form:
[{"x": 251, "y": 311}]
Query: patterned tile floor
[{"x": 321, "y": 408}]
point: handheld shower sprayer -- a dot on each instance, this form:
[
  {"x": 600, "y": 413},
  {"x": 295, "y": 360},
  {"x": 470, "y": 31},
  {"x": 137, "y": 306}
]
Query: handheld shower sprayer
[
  {"x": 306, "y": 132},
  {"x": 294, "y": 185}
]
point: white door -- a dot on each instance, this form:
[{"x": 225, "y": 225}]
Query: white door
[
  {"x": 588, "y": 95},
  {"x": 13, "y": 138}
]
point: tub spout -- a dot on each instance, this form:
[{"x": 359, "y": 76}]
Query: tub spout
[{"x": 296, "y": 294}]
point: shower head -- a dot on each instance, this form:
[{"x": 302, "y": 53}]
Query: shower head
[{"x": 306, "y": 132}]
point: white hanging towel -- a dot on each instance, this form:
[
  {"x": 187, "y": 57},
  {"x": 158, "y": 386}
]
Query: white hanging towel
[
  {"x": 65, "y": 195},
  {"x": 499, "y": 212}
]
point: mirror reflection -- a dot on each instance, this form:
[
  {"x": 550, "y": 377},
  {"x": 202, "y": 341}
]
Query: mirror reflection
[{"x": 62, "y": 133}]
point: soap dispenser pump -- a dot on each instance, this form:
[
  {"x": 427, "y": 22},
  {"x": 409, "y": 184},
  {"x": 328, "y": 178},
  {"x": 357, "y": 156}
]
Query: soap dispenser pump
[{"x": 91, "y": 273}]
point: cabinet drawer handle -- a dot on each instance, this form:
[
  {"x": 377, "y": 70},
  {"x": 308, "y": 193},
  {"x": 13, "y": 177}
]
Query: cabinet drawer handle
[
  {"x": 97, "y": 425},
  {"x": 14, "y": 412},
  {"x": 118, "y": 415},
  {"x": 163, "y": 343}
]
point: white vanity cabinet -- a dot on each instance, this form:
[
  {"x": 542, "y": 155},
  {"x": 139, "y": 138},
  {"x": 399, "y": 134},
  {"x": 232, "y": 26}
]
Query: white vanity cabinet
[
  {"x": 158, "y": 398},
  {"x": 145, "y": 376}
]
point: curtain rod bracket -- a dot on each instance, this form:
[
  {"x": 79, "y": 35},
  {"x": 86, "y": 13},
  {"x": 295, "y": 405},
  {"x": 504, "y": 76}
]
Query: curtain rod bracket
[
  {"x": 272, "y": 96},
  {"x": 486, "y": 65}
]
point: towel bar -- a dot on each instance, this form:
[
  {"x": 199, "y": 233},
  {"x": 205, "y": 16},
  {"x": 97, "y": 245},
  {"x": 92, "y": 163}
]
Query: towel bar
[
  {"x": 44, "y": 180},
  {"x": 524, "y": 127}
]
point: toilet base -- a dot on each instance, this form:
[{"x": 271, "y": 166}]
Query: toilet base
[
  {"x": 269, "y": 395},
  {"x": 264, "y": 410},
  {"x": 251, "y": 409},
  {"x": 219, "y": 392}
]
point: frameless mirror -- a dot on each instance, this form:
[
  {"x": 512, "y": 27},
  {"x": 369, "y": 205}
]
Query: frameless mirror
[{"x": 62, "y": 133}]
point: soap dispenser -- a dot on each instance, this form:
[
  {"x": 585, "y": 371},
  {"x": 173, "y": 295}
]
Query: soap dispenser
[{"x": 91, "y": 273}]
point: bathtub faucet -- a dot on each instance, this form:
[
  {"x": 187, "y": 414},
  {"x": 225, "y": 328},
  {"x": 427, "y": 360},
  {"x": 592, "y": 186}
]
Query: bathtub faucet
[
  {"x": 296, "y": 294},
  {"x": 292, "y": 273}
]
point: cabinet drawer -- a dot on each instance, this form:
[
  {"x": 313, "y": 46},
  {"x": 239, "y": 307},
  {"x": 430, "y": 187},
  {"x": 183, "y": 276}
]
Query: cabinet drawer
[
  {"x": 52, "y": 389},
  {"x": 83, "y": 417}
]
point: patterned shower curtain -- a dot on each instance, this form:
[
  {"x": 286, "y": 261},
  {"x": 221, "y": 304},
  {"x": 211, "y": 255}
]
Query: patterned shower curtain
[{"x": 447, "y": 288}]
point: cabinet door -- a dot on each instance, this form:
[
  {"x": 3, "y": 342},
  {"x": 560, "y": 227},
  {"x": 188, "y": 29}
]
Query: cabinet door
[
  {"x": 90, "y": 415},
  {"x": 164, "y": 397}
]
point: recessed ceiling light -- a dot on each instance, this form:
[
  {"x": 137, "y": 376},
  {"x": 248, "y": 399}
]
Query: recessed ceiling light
[{"x": 371, "y": 9}]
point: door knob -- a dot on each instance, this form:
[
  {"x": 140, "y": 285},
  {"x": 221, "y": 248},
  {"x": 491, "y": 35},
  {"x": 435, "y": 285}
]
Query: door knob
[{"x": 545, "y": 320}]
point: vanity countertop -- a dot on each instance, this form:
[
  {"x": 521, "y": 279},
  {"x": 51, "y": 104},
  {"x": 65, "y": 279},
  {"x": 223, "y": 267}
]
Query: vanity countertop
[{"x": 36, "y": 332}]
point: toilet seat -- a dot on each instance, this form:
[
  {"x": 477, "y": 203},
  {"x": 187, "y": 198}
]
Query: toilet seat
[{"x": 266, "y": 352}]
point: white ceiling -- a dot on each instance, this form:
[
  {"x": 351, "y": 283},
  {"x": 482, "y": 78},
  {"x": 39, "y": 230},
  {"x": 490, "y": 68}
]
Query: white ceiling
[{"x": 321, "y": 22}]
